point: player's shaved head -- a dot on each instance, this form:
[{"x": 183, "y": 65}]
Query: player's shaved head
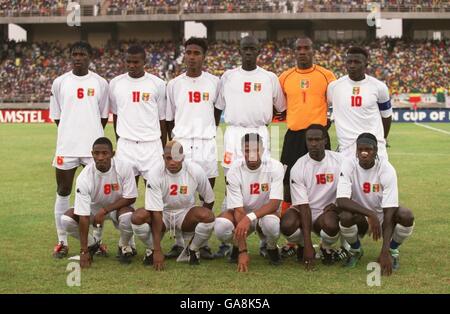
[
  {"x": 173, "y": 147},
  {"x": 249, "y": 40},
  {"x": 318, "y": 127},
  {"x": 303, "y": 47},
  {"x": 104, "y": 141},
  {"x": 173, "y": 156},
  {"x": 303, "y": 40}
]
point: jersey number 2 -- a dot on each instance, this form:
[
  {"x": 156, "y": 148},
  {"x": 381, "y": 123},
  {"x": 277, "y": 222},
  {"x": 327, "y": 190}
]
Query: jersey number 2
[{"x": 254, "y": 188}]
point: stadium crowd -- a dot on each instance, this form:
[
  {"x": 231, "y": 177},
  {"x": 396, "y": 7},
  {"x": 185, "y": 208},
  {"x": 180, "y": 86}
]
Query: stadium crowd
[
  {"x": 420, "y": 66},
  {"x": 124, "y": 7}
]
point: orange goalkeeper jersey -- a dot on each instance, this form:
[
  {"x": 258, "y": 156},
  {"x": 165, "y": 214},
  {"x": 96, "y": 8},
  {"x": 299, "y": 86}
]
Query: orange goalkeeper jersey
[{"x": 305, "y": 92}]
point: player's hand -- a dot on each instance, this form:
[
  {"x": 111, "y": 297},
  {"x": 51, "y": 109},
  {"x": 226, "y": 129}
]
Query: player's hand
[
  {"x": 158, "y": 260},
  {"x": 374, "y": 227},
  {"x": 243, "y": 261},
  {"x": 99, "y": 218},
  {"x": 385, "y": 262},
  {"x": 309, "y": 257},
  {"x": 85, "y": 260},
  {"x": 241, "y": 231}
]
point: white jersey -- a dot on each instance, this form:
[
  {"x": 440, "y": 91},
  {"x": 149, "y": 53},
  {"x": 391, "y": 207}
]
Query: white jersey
[
  {"x": 252, "y": 189},
  {"x": 79, "y": 103},
  {"x": 374, "y": 188},
  {"x": 168, "y": 191},
  {"x": 139, "y": 105},
  {"x": 315, "y": 182},
  {"x": 96, "y": 189},
  {"x": 190, "y": 102},
  {"x": 248, "y": 97},
  {"x": 358, "y": 108}
]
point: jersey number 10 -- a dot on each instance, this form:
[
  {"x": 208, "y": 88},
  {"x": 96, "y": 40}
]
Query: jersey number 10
[{"x": 356, "y": 101}]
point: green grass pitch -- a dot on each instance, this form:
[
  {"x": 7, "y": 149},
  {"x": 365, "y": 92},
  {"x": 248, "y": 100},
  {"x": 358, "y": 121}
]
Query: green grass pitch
[{"x": 27, "y": 231}]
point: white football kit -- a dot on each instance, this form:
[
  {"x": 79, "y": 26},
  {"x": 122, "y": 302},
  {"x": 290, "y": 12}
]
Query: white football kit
[
  {"x": 174, "y": 194},
  {"x": 96, "y": 189},
  {"x": 374, "y": 188},
  {"x": 190, "y": 103},
  {"x": 315, "y": 182},
  {"x": 358, "y": 108},
  {"x": 79, "y": 103},
  {"x": 139, "y": 105},
  {"x": 247, "y": 98}
]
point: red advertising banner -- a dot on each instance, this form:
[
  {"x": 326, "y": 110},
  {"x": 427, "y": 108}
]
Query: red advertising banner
[{"x": 24, "y": 116}]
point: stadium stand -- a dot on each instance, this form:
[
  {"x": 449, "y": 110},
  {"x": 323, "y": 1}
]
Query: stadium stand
[
  {"x": 133, "y": 7},
  {"x": 406, "y": 67}
]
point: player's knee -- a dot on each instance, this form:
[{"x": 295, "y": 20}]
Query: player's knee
[
  {"x": 223, "y": 229},
  {"x": 139, "y": 217},
  {"x": 270, "y": 226},
  {"x": 125, "y": 221},
  {"x": 330, "y": 226},
  {"x": 206, "y": 216},
  {"x": 69, "y": 224},
  {"x": 288, "y": 226},
  {"x": 346, "y": 219},
  {"x": 405, "y": 217},
  {"x": 63, "y": 190}
]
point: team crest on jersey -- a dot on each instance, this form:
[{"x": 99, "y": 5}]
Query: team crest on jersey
[
  {"x": 257, "y": 87},
  {"x": 376, "y": 187},
  {"x": 115, "y": 186},
  {"x": 356, "y": 90},
  {"x": 183, "y": 189},
  {"x": 304, "y": 84},
  {"x": 205, "y": 96},
  {"x": 90, "y": 92},
  {"x": 265, "y": 187},
  {"x": 145, "y": 96},
  {"x": 330, "y": 177}
]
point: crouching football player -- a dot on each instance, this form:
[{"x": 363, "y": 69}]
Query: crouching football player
[
  {"x": 105, "y": 189},
  {"x": 313, "y": 184},
  {"x": 254, "y": 194},
  {"x": 368, "y": 195},
  {"x": 170, "y": 206}
]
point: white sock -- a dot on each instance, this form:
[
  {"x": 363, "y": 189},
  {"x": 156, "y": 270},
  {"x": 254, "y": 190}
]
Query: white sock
[
  {"x": 132, "y": 242},
  {"x": 296, "y": 237},
  {"x": 143, "y": 232},
  {"x": 270, "y": 227},
  {"x": 62, "y": 204},
  {"x": 350, "y": 234},
  {"x": 179, "y": 238},
  {"x": 202, "y": 234},
  {"x": 401, "y": 233},
  {"x": 327, "y": 240},
  {"x": 126, "y": 231},
  {"x": 70, "y": 226},
  {"x": 187, "y": 236},
  {"x": 97, "y": 232}
]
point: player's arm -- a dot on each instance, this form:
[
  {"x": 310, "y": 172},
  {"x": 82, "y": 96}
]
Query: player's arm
[
  {"x": 104, "y": 121},
  {"x": 115, "y": 126},
  {"x": 157, "y": 226},
  {"x": 104, "y": 105},
  {"x": 243, "y": 258},
  {"x": 386, "y": 125},
  {"x": 170, "y": 109},
  {"x": 82, "y": 208},
  {"x": 385, "y": 107},
  {"x": 388, "y": 229},
  {"x": 104, "y": 211},
  {"x": 204, "y": 188},
  {"x": 217, "y": 115},
  {"x": 162, "y": 126},
  {"x": 55, "y": 107}
]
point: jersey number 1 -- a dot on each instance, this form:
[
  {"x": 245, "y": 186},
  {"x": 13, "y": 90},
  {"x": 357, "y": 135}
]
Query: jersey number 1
[
  {"x": 356, "y": 101},
  {"x": 254, "y": 188}
]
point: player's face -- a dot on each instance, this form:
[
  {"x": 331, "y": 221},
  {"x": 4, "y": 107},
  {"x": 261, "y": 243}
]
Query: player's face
[
  {"x": 80, "y": 60},
  {"x": 249, "y": 51},
  {"x": 252, "y": 154},
  {"x": 366, "y": 154},
  {"x": 356, "y": 65},
  {"x": 102, "y": 157},
  {"x": 304, "y": 53},
  {"x": 194, "y": 57},
  {"x": 135, "y": 65},
  {"x": 172, "y": 163},
  {"x": 315, "y": 142}
]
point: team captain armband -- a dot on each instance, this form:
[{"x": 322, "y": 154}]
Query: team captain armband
[{"x": 385, "y": 109}]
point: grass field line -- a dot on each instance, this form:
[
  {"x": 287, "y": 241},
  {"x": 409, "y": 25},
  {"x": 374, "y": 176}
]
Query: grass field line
[{"x": 432, "y": 128}]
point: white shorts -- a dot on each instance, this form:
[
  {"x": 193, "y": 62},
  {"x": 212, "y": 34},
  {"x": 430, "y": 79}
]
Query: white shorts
[
  {"x": 111, "y": 216},
  {"x": 142, "y": 156},
  {"x": 173, "y": 219},
  {"x": 257, "y": 222},
  {"x": 67, "y": 163},
  {"x": 232, "y": 142},
  {"x": 203, "y": 152},
  {"x": 350, "y": 151}
]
